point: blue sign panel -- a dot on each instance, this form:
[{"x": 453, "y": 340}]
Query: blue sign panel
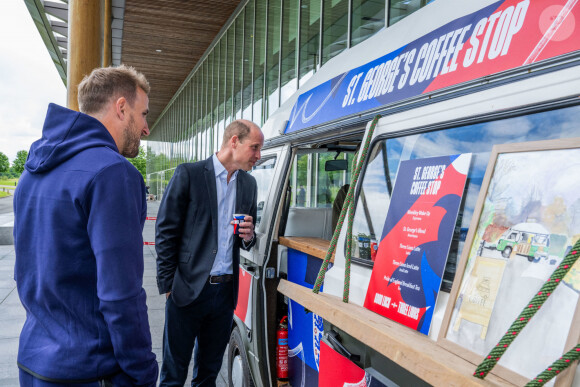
[{"x": 499, "y": 37}]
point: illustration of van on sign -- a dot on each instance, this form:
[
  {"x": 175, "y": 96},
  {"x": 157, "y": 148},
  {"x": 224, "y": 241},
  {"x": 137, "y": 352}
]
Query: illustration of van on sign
[{"x": 529, "y": 239}]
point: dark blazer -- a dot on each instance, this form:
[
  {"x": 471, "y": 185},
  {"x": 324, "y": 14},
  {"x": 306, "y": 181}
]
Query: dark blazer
[{"x": 186, "y": 229}]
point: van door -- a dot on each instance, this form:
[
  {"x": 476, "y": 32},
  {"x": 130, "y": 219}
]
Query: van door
[
  {"x": 266, "y": 172},
  {"x": 316, "y": 186},
  {"x": 245, "y": 355}
]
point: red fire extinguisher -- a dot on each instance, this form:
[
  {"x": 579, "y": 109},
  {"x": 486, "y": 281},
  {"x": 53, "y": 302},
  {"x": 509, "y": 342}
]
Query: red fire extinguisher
[{"x": 282, "y": 349}]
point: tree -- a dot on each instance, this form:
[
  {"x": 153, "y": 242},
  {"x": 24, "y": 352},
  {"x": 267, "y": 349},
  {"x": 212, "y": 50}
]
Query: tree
[
  {"x": 4, "y": 163},
  {"x": 140, "y": 162},
  {"x": 18, "y": 163}
]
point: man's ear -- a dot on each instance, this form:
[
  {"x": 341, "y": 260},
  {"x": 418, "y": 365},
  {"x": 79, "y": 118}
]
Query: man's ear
[
  {"x": 121, "y": 107},
  {"x": 234, "y": 141}
]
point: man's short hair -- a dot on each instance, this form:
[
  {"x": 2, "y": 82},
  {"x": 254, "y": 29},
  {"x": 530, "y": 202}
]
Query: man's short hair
[
  {"x": 236, "y": 128},
  {"x": 102, "y": 84}
]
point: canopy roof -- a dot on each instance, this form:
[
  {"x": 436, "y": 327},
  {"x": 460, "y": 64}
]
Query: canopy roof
[{"x": 164, "y": 39}]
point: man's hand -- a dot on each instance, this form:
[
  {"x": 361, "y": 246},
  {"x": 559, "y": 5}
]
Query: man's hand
[
  {"x": 167, "y": 295},
  {"x": 247, "y": 229}
]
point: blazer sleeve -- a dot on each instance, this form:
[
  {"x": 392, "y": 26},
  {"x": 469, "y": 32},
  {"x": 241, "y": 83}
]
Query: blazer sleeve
[{"x": 169, "y": 227}]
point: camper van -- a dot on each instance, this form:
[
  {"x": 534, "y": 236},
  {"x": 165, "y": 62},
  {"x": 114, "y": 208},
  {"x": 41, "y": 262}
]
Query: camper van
[
  {"x": 453, "y": 78},
  {"x": 528, "y": 239}
]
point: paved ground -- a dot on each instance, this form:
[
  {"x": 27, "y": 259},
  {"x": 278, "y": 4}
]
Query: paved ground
[{"x": 12, "y": 314}]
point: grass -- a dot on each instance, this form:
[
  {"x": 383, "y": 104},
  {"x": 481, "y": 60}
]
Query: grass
[
  {"x": 3, "y": 194},
  {"x": 8, "y": 182}
]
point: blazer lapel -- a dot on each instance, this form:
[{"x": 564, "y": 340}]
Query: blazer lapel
[{"x": 212, "y": 192}]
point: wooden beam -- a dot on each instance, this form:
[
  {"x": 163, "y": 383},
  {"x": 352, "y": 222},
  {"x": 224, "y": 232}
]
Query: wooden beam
[
  {"x": 182, "y": 30},
  {"x": 410, "y": 349}
]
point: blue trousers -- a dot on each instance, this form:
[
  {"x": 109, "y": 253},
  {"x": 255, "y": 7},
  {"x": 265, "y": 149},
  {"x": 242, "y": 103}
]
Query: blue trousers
[{"x": 207, "y": 320}]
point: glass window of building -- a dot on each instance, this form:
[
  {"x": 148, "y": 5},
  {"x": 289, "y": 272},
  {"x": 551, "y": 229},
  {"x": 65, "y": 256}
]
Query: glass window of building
[
  {"x": 334, "y": 28},
  {"x": 192, "y": 84},
  {"x": 272, "y": 58},
  {"x": 259, "y": 59},
  {"x": 198, "y": 116},
  {"x": 248, "y": 60},
  {"x": 216, "y": 95},
  {"x": 187, "y": 125},
  {"x": 289, "y": 43},
  {"x": 368, "y": 17},
  {"x": 309, "y": 39},
  {"x": 199, "y": 108},
  {"x": 204, "y": 115},
  {"x": 400, "y": 9},
  {"x": 205, "y": 110},
  {"x": 171, "y": 138},
  {"x": 222, "y": 98},
  {"x": 229, "y": 72},
  {"x": 239, "y": 66},
  {"x": 210, "y": 102}
]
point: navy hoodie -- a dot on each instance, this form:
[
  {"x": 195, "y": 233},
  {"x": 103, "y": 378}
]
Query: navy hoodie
[{"x": 79, "y": 212}]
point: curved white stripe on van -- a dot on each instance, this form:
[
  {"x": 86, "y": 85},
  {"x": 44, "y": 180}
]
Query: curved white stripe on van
[
  {"x": 362, "y": 383},
  {"x": 461, "y": 164},
  {"x": 296, "y": 112},
  {"x": 289, "y": 315},
  {"x": 298, "y": 351}
]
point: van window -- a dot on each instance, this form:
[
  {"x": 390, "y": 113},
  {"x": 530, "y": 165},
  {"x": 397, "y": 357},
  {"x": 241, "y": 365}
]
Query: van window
[
  {"x": 381, "y": 171},
  {"x": 313, "y": 186},
  {"x": 263, "y": 172}
]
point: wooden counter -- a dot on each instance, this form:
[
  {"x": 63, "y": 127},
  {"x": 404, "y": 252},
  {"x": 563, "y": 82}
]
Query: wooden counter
[
  {"x": 316, "y": 247},
  {"x": 410, "y": 349}
]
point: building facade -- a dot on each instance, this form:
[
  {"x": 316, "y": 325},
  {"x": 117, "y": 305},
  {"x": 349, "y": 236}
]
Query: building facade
[{"x": 262, "y": 56}]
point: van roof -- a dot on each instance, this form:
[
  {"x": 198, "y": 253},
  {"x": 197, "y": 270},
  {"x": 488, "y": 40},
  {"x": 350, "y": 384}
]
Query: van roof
[{"x": 535, "y": 228}]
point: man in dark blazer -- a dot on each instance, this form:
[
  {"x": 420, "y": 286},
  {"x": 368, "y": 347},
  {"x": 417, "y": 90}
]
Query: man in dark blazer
[{"x": 198, "y": 254}]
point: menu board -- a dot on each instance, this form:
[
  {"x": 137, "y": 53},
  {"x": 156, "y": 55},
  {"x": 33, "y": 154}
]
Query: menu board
[{"x": 415, "y": 242}]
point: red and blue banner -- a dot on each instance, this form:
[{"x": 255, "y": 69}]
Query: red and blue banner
[
  {"x": 304, "y": 328},
  {"x": 338, "y": 371},
  {"x": 502, "y": 36},
  {"x": 415, "y": 242},
  {"x": 244, "y": 307}
]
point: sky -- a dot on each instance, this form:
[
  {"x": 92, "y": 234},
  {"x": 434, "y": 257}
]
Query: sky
[{"x": 28, "y": 80}]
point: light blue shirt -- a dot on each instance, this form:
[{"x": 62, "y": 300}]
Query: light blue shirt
[{"x": 226, "y": 200}]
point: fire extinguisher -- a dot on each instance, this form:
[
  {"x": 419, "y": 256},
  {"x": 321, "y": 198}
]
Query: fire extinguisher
[{"x": 282, "y": 349}]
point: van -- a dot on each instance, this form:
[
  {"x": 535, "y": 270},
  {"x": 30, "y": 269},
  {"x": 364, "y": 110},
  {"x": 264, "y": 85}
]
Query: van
[
  {"x": 496, "y": 94},
  {"x": 528, "y": 239}
]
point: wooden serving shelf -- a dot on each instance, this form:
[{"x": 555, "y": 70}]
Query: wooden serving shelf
[
  {"x": 317, "y": 247},
  {"x": 410, "y": 349}
]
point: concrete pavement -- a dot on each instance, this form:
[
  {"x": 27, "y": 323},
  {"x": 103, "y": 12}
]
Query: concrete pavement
[
  {"x": 12, "y": 314},
  {"x": 6, "y": 221}
]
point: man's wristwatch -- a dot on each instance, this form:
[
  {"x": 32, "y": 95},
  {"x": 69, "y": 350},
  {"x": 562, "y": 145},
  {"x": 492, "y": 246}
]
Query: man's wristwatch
[{"x": 245, "y": 244}]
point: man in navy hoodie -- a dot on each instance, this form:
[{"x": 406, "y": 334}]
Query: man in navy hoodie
[{"x": 79, "y": 213}]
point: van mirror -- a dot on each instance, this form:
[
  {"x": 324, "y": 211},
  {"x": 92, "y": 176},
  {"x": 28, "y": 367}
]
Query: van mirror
[{"x": 336, "y": 165}]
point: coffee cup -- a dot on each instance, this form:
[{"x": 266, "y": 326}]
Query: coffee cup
[{"x": 238, "y": 218}]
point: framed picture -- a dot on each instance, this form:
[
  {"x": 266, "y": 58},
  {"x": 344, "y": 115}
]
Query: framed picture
[{"x": 526, "y": 220}]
